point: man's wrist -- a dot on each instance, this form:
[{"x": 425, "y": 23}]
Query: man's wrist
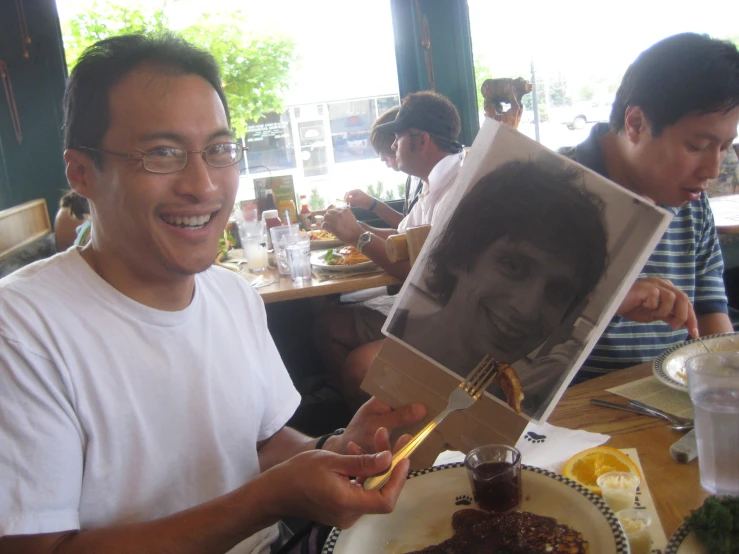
[
  {"x": 372, "y": 207},
  {"x": 323, "y": 442}
]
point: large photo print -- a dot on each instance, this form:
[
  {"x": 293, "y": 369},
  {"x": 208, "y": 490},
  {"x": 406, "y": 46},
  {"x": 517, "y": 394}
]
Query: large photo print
[{"x": 527, "y": 263}]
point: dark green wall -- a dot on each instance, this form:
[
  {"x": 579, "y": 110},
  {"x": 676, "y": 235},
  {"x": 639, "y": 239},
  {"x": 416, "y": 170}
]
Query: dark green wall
[
  {"x": 451, "y": 50},
  {"x": 34, "y": 168}
]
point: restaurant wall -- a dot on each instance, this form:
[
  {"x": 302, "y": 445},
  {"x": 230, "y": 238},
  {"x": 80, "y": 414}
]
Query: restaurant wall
[{"x": 31, "y": 164}]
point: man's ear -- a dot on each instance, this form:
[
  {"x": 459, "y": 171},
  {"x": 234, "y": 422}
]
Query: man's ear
[
  {"x": 80, "y": 171},
  {"x": 636, "y": 124},
  {"x": 423, "y": 139}
]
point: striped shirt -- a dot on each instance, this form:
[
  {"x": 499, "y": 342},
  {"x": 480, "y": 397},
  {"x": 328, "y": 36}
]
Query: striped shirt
[{"x": 688, "y": 255}]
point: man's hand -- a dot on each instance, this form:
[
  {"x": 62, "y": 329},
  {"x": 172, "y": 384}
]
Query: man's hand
[
  {"x": 655, "y": 299},
  {"x": 358, "y": 199},
  {"x": 315, "y": 485},
  {"x": 342, "y": 223},
  {"x": 363, "y": 429}
]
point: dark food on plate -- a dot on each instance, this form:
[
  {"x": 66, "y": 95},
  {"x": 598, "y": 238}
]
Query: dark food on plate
[
  {"x": 716, "y": 524},
  {"x": 477, "y": 532}
]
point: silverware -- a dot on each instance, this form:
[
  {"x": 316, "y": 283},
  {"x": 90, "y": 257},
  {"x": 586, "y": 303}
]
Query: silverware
[
  {"x": 674, "y": 420},
  {"x": 683, "y": 425},
  {"x": 704, "y": 344},
  {"x": 624, "y": 407},
  {"x": 461, "y": 398}
]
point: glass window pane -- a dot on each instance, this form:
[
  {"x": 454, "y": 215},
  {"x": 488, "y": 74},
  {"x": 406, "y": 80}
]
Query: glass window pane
[
  {"x": 343, "y": 74},
  {"x": 577, "y": 51}
]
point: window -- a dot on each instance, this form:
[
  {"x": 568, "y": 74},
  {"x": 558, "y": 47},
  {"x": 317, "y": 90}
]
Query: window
[
  {"x": 343, "y": 75},
  {"x": 576, "y": 52}
]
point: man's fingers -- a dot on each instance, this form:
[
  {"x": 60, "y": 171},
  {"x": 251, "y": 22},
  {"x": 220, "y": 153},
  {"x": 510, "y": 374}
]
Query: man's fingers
[
  {"x": 382, "y": 440},
  {"x": 354, "y": 449},
  {"x": 402, "y": 441},
  {"x": 405, "y": 415},
  {"x": 364, "y": 465},
  {"x": 391, "y": 491}
]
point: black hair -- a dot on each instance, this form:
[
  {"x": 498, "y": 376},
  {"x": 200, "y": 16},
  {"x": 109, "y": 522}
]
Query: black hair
[
  {"x": 682, "y": 74},
  {"x": 382, "y": 141},
  {"x": 525, "y": 201},
  {"x": 76, "y": 204},
  {"x": 102, "y": 65}
]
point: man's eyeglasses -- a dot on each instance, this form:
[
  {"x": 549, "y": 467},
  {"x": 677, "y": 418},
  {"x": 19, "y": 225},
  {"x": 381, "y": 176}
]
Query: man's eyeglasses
[{"x": 169, "y": 159}]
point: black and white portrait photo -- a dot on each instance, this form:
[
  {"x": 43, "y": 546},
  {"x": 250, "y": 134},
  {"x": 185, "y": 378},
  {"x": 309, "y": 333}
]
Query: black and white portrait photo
[{"x": 526, "y": 263}]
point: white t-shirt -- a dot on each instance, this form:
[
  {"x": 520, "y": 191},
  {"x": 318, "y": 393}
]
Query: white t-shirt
[
  {"x": 434, "y": 192},
  {"x": 112, "y": 412}
]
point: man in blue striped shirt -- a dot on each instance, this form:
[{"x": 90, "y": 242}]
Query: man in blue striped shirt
[{"x": 674, "y": 116}]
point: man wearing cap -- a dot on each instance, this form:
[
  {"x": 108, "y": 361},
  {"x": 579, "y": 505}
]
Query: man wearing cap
[{"x": 426, "y": 129}]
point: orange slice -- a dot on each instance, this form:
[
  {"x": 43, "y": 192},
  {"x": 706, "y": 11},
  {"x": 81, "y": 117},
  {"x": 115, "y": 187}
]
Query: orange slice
[{"x": 585, "y": 467}]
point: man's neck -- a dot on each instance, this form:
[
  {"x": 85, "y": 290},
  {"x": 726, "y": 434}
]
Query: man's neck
[
  {"x": 614, "y": 145},
  {"x": 432, "y": 162},
  {"x": 166, "y": 294}
]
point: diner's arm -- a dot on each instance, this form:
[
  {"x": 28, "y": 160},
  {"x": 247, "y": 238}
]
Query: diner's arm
[
  {"x": 313, "y": 485},
  {"x": 343, "y": 224},
  {"x": 360, "y": 199},
  {"x": 362, "y": 430},
  {"x": 382, "y": 233},
  {"x": 714, "y": 324}
]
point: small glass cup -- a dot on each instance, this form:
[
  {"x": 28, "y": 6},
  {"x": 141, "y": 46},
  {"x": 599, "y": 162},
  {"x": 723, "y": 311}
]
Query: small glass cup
[
  {"x": 619, "y": 489},
  {"x": 279, "y": 241},
  {"x": 636, "y": 526},
  {"x": 297, "y": 250},
  {"x": 494, "y": 472}
]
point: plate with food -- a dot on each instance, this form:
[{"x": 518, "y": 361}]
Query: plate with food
[
  {"x": 320, "y": 239},
  {"x": 343, "y": 259},
  {"x": 714, "y": 528},
  {"x": 436, "y": 505},
  {"x": 669, "y": 367}
]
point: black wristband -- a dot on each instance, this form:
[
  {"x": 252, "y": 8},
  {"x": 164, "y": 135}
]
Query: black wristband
[
  {"x": 322, "y": 440},
  {"x": 374, "y": 204}
]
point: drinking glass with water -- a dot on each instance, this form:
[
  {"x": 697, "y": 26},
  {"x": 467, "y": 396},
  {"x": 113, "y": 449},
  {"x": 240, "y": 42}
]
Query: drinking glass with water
[
  {"x": 297, "y": 250},
  {"x": 713, "y": 384}
]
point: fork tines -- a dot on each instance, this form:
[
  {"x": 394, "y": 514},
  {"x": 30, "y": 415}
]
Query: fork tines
[{"x": 480, "y": 377}]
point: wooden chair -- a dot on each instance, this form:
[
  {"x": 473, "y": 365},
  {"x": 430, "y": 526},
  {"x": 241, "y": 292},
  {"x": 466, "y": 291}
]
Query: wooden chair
[
  {"x": 407, "y": 246},
  {"x": 25, "y": 235}
]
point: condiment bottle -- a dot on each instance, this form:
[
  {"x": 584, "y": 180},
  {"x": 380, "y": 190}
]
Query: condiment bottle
[
  {"x": 304, "y": 217},
  {"x": 289, "y": 205},
  {"x": 271, "y": 219},
  {"x": 268, "y": 202}
]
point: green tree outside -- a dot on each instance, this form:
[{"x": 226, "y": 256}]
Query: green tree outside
[{"x": 255, "y": 65}]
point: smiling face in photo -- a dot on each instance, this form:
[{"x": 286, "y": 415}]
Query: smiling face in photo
[{"x": 511, "y": 300}]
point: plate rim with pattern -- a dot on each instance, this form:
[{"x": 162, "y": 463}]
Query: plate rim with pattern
[
  {"x": 622, "y": 545},
  {"x": 658, "y": 369}
]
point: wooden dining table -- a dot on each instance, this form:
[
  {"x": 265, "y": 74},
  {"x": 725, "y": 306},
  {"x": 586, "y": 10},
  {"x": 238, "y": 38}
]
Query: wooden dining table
[
  {"x": 675, "y": 487},
  {"x": 283, "y": 288}
]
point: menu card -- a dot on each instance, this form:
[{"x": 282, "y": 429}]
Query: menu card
[
  {"x": 282, "y": 188},
  {"x": 528, "y": 261}
]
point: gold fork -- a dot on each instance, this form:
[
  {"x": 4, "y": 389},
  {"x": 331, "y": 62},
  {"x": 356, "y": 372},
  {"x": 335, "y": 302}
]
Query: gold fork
[{"x": 461, "y": 398}]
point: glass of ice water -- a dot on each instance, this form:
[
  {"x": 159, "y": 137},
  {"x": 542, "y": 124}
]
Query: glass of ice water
[
  {"x": 713, "y": 384},
  {"x": 297, "y": 250}
]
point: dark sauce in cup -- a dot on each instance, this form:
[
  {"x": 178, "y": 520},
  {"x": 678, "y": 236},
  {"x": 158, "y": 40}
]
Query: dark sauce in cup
[{"x": 497, "y": 486}]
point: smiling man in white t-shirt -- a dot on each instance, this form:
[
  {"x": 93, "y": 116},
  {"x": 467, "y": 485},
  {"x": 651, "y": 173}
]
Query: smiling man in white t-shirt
[{"x": 142, "y": 400}]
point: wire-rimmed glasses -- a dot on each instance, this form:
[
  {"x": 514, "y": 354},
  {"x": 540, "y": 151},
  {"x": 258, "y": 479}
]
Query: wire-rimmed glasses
[{"x": 168, "y": 159}]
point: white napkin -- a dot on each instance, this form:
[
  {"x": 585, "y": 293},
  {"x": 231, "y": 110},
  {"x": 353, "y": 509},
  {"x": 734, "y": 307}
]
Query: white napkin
[{"x": 543, "y": 445}]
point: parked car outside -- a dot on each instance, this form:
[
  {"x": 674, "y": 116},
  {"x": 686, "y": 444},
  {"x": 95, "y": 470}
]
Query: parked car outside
[{"x": 582, "y": 113}]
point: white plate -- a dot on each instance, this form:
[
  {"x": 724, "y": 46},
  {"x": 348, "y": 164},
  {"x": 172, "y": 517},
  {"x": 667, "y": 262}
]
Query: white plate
[
  {"x": 423, "y": 514},
  {"x": 318, "y": 259},
  {"x": 684, "y": 541},
  {"x": 669, "y": 367},
  {"x": 324, "y": 244}
]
